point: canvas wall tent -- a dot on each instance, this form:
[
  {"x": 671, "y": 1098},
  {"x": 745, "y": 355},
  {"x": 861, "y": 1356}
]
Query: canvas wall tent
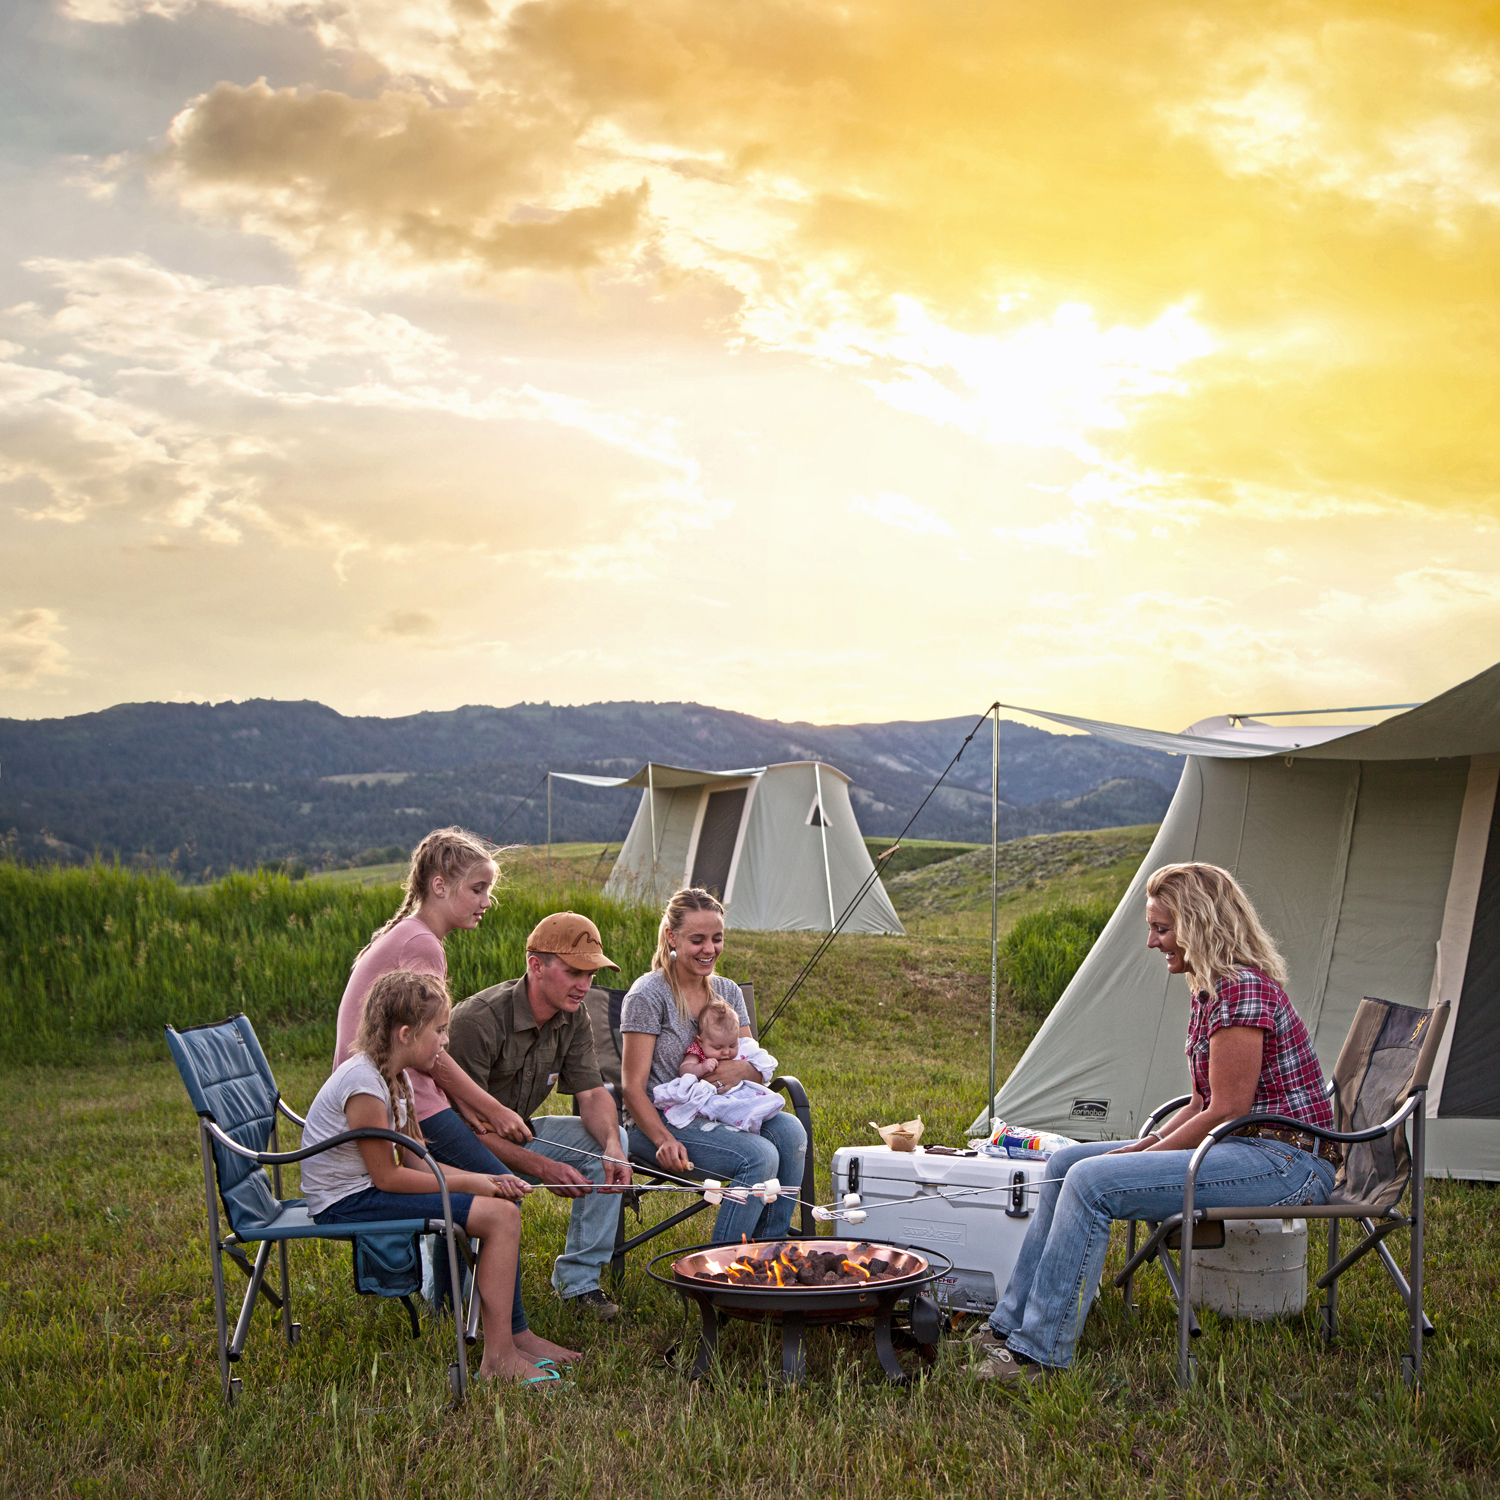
[
  {"x": 779, "y": 845},
  {"x": 1372, "y": 853}
]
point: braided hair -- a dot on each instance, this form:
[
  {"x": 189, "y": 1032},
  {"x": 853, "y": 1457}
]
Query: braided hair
[
  {"x": 399, "y": 998},
  {"x": 449, "y": 852}
]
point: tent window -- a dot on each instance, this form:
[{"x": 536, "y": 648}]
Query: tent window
[
  {"x": 1471, "y": 1086},
  {"x": 817, "y": 818},
  {"x": 716, "y": 840}
]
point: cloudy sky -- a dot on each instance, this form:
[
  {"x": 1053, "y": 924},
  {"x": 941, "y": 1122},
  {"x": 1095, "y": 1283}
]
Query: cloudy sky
[{"x": 829, "y": 359}]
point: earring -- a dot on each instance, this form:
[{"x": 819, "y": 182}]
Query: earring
[{"x": 672, "y": 954}]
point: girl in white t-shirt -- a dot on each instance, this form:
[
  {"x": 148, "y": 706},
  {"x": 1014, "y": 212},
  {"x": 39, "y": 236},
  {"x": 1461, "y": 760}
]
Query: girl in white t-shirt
[{"x": 405, "y": 1025}]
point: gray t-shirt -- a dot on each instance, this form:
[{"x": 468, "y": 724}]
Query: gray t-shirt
[
  {"x": 337, "y": 1174},
  {"x": 649, "y": 1007}
]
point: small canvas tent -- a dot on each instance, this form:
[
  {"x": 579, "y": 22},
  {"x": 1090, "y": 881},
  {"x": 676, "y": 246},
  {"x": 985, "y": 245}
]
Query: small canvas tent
[
  {"x": 779, "y": 845},
  {"x": 1372, "y": 853}
]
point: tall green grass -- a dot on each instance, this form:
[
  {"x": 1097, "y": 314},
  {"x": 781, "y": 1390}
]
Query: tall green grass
[
  {"x": 1042, "y": 952},
  {"x": 95, "y": 956}
]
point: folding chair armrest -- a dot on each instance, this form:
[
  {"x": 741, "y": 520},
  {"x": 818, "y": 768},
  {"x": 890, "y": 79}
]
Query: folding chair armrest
[
  {"x": 1323, "y": 1134},
  {"x": 791, "y": 1086},
  {"x": 291, "y": 1114},
  {"x": 282, "y": 1158},
  {"x": 1161, "y": 1112}
]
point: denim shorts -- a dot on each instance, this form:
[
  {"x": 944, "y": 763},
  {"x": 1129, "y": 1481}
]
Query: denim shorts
[{"x": 371, "y": 1203}]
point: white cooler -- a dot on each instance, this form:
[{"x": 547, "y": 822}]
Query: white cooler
[{"x": 980, "y": 1234}]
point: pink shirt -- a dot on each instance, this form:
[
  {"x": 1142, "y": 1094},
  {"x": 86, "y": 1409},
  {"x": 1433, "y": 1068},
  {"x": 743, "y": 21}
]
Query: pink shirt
[{"x": 410, "y": 944}]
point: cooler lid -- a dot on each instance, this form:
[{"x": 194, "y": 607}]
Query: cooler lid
[{"x": 881, "y": 1164}]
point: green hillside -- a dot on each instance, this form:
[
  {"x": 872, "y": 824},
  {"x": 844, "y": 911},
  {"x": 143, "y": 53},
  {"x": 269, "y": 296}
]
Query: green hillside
[{"x": 952, "y": 896}]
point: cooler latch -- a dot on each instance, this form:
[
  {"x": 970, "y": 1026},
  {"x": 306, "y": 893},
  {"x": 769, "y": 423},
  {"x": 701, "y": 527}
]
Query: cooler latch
[
  {"x": 853, "y": 1174},
  {"x": 1018, "y": 1209}
]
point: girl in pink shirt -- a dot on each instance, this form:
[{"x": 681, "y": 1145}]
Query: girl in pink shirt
[{"x": 448, "y": 887}]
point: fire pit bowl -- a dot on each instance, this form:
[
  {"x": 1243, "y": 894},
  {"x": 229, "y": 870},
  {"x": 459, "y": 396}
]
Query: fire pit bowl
[{"x": 797, "y": 1282}]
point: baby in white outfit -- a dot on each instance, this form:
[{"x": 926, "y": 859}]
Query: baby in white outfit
[{"x": 746, "y": 1105}]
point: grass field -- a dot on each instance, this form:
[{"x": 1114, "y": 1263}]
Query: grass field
[{"x": 108, "y": 1384}]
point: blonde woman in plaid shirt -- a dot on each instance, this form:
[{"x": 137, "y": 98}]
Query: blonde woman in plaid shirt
[{"x": 1248, "y": 1052}]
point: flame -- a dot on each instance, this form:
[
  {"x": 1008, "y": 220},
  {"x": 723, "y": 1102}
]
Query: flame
[{"x": 789, "y": 1265}]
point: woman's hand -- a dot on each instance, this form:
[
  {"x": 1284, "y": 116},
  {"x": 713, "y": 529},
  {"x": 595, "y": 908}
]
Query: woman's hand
[
  {"x": 671, "y": 1155},
  {"x": 735, "y": 1070}
]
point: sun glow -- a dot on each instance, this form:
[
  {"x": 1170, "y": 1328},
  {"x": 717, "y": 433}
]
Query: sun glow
[{"x": 1133, "y": 355}]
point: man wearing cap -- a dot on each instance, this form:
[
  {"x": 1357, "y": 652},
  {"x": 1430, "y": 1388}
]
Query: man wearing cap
[{"x": 521, "y": 1039}]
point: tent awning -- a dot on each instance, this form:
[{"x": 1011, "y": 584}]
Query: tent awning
[
  {"x": 664, "y": 778},
  {"x": 1219, "y": 738},
  {"x": 1463, "y": 721}
]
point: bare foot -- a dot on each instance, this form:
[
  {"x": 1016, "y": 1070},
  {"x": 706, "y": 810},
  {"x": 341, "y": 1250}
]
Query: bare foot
[
  {"x": 534, "y": 1346},
  {"x": 512, "y": 1366}
]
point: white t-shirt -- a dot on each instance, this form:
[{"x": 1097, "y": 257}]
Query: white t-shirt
[{"x": 334, "y": 1175}]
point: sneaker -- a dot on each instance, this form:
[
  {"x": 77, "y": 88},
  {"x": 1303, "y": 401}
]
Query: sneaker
[
  {"x": 594, "y": 1302},
  {"x": 998, "y": 1363},
  {"x": 986, "y": 1338}
]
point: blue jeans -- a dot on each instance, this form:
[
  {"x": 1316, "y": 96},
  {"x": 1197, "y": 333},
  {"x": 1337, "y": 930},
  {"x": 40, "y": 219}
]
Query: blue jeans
[
  {"x": 1062, "y": 1258},
  {"x": 455, "y": 1145},
  {"x": 593, "y": 1218},
  {"x": 741, "y": 1157}
]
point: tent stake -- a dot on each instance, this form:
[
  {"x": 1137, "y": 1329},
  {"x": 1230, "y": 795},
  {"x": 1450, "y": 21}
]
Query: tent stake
[{"x": 994, "y": 903}]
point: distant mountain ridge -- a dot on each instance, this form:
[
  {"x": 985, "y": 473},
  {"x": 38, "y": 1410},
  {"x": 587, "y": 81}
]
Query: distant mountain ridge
[{"x": 237, "y": 783}]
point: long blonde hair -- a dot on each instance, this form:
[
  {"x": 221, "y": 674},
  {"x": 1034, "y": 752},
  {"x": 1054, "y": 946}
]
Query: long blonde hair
[
  {"x": 1216, "y": 925},
  {"x": 400, "y": 998},
  {"x": 449, "y": 852},
  {"x": 689, "y": 899}
]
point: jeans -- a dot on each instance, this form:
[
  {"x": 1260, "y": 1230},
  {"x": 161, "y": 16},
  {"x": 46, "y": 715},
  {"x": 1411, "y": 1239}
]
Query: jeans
[
  {"x": 1062, "y": 1258},
  {"x": 455, "y": 1145},
  {"x": 740, "y": 1157},
  {"x": 593, "y": 1218}
]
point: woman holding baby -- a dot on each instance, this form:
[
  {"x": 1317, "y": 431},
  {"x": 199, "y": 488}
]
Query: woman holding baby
[{"x": 660, "y": 1025}]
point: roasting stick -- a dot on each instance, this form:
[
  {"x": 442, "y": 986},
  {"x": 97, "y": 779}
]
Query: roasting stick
[
  {"x": 847, "y": 1210},
  {"x": 711, "y": 1189}
]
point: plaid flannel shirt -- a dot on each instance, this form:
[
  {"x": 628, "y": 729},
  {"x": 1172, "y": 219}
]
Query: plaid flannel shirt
[{"x": 1291, "y": 1080}]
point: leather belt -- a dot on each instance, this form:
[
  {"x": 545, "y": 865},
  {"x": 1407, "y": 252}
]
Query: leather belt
[{"x": 1330, "y": 1151}]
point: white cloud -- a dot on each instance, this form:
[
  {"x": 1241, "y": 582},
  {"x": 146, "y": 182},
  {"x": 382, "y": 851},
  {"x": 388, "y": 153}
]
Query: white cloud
[
  {"x": 902, "y": 512},
  {"x": 1073, "y": 533},
  {"x": 1424, "y": 140},
  {"x": 29, "y": 650},
  {"x": 199, "y": 399}
]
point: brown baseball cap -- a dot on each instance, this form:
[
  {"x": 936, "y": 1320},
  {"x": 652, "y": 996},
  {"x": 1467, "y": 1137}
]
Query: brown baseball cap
[{"x": 573, "y": 938}]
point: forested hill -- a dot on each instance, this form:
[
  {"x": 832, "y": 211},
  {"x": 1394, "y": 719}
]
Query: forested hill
[{"x": 237, "y": 783}]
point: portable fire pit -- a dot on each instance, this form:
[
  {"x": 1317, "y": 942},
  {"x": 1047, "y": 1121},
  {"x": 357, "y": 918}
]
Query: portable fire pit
[{"x": 801, "y": 1282}]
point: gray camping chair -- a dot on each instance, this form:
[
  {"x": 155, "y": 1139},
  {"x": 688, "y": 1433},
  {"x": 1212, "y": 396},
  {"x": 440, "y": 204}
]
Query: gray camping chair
[
  {"x": 1378, "y": 1084},
  {"x": 604, "y": 1017},
  {"x": 236, "y": 1099}
]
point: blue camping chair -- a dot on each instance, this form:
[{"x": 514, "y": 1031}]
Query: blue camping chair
[{"x": 236, "y": 1099}]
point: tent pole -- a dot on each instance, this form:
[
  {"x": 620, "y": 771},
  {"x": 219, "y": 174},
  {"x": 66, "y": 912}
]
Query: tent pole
[
  {"x": 994, "y": 904},
  {"x": 549, "y": 830},
  {"x": 833, "y": 920},
  {"x": 651, "y": 792}
]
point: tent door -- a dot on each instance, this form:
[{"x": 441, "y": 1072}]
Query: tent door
[
  {"x": 716, "y": 840},
  {"x": 1471, "y": 1082}
]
